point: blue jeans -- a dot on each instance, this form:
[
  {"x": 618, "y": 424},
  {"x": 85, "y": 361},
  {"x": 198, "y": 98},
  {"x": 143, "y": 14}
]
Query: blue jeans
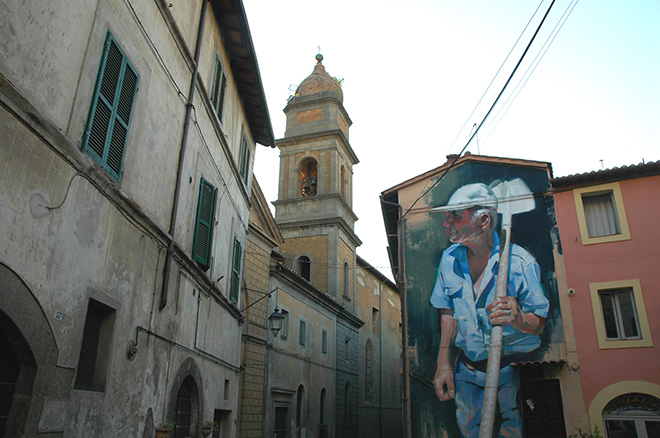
[{"x": 469, "y": 400}]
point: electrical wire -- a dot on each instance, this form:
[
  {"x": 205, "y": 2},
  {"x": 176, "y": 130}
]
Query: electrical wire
[
  {"x": 485, "y": 117},
  {"x": 530, "y": 70},
  {"x": 495, "y": 76}
]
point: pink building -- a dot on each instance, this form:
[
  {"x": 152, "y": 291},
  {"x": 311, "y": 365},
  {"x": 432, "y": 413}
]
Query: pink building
[{"x": 611, "y": 252}]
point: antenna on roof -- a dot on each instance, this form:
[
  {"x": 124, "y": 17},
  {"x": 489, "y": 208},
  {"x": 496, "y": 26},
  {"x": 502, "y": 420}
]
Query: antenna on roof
[{"x": 602, "y": 167}]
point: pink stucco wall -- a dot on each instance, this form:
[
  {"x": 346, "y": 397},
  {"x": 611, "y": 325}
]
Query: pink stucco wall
[{"x": 638, "y": 258}]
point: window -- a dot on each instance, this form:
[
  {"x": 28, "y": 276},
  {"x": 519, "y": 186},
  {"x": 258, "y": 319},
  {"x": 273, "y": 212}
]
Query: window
[
  {"x": 299, "y": 405},
  {"x": 347, "y": 349},
  {"x": 324, "y": 341},
  {"x": 245, "y": 161},
  {"x": 619, "y": 314},
  {"x": 204, "y": 224},
  {"x": 347, "y": 282},
  {"x": 95, "y": 349},
  {"x": 601, "y": 215},
  {"x": 218, "y": 88},
  {"x": 322, "y": 407},
  {"x": 301, "y": 333},
  {"x": 308, "y": 178},
  {"x": 342, "y": 181},
  {"x": 374, "y": 320},
  {"x": 304, "y": 267},
  {"x": 110, "y": 112},
  {"x": 284, "y": 333},
  {"x": 235, "y": 271},
  {"x": 369, "y": 380}
]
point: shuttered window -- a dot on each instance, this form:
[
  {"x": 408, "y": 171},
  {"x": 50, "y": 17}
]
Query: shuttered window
[
  {"x": 235, "y": 271},
  {"x": 110, "y": 112},
  {"x": 204, "y": 224},
  {"x": 218, "y": 88},
  {"x": 245, "y": 161}
]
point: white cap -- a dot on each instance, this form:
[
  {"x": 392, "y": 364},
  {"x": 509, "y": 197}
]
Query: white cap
[{"x": 470, "y": 195}]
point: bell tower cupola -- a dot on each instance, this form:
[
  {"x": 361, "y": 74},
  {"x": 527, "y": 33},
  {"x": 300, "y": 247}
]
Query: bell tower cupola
[{"x": 315, "y": 195}]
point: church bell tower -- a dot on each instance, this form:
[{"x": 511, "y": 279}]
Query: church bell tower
[{"x": 314, "y": 205}]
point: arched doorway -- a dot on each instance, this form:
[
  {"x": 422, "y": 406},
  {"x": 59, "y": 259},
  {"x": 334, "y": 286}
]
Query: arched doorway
[
  {"x": 187, "y": 409},
  {"x": 9, "y": 370},
  {"x": 28, "y": 357}
]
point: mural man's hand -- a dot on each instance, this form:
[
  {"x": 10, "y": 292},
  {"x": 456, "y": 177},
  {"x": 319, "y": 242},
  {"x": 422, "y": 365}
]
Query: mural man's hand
[
  {"x": 506, "y": 310},
  {"x": 444, "y": 383}
]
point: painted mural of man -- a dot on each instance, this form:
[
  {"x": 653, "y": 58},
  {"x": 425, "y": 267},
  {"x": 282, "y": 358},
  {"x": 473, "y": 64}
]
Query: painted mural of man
[{"x": 464, "y": 292}]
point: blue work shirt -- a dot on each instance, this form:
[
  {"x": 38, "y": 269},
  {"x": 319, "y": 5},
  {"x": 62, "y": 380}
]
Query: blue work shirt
[{"x": 454, "y": 290}]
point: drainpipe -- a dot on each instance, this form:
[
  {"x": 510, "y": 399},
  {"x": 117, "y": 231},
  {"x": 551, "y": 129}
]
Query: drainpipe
[{"x": 182, "y": 154}]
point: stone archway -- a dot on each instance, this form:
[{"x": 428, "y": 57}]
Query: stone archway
[
  {"x": 186, "y": 398},
  {"x": 29, "y": 341}
]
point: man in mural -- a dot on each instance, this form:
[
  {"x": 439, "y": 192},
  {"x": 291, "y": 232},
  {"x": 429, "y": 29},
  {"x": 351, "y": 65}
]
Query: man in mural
[{"x": 464, "y": 292}]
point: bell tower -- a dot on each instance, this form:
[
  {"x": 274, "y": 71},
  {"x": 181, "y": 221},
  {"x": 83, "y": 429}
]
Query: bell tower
[{"x": 315, "y": 196}]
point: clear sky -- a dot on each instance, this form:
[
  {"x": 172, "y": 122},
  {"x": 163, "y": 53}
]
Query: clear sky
[{"x": 415, "y": 70}]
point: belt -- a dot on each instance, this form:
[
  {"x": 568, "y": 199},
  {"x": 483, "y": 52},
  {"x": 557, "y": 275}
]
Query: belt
[{"x": 482, "y": 365}]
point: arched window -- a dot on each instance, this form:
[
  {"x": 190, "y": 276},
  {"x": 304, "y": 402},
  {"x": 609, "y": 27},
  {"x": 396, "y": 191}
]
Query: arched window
[
  {"x": 308, "y": 178},
  {"x": 322, "y": 407},
  {"x": 369, "y": 371},
  {"x": 632, "y": 414},
  {"x": 299, "y": 405},
  {"x": 187, "y": 406},
  {"x": 347, "y": 280},
  {"x": 343, "y": 181},
  {"x": 303, "y": 267}
]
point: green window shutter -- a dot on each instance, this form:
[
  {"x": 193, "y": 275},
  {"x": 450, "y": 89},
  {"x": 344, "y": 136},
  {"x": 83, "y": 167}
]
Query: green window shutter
[
  {"x": 235, "y": 271},
  {"x": 218, "y": 88},
  {"x": 245, "y": 161},
  {"x": 110, "y": 112},
  {"x": 204, "y": 224}
]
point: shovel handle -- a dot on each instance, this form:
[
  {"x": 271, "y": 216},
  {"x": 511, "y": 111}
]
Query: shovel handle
[{"x": 495, "y": 351}]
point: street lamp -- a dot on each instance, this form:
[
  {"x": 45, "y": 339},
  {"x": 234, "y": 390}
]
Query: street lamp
[{"x": 275, "y": 321}]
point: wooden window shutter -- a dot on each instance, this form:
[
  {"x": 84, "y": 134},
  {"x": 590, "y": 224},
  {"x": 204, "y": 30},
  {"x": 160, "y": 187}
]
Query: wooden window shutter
[
  {"x": 204, "y": 224},
  {"x": 236, "y": 271},
  {"x": 245, "y": 161},
  {"x": 110, "y": 113},
  {"x": 218, "y": 88}
]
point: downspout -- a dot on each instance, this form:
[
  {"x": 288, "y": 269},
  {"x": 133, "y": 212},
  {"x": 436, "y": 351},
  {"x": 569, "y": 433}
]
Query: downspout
[
  {"x": 182, "y": 154},
  {"x": 401, "y": 282}
]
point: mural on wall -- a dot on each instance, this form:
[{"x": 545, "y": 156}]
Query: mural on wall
[{"x": 481, "y": 285}]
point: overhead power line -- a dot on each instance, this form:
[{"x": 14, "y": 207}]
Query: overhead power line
[{"x": 476, "y": 131}]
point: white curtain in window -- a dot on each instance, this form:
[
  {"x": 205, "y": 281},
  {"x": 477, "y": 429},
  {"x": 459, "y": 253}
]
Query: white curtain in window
[{"x": 600, "y": 214}]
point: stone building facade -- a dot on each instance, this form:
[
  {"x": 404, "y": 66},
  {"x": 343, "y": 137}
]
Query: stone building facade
[
  {"x": 127, "y": 135},
  {"x": 316, "y": 367}
]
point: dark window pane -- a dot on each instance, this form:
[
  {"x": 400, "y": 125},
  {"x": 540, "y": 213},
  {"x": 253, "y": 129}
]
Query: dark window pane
[
  {"x": 606, "y": 300},
  {"x": 621, "y": 429},
  {"x": 627, "y": 308},
  {"x": 652, "y": 428}
]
